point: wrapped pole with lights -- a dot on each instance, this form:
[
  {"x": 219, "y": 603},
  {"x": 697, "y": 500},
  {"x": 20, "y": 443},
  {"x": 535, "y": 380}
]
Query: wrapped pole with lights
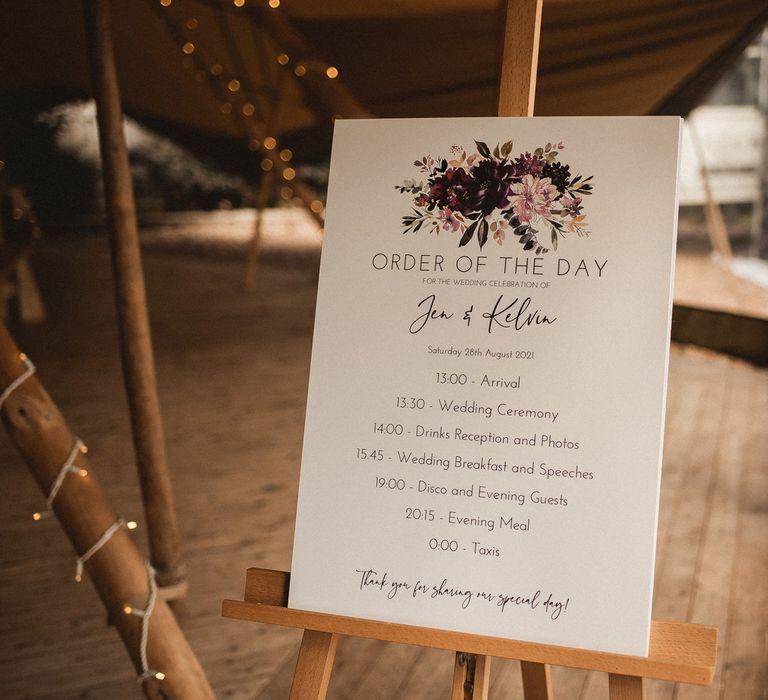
[{"x": 109, "y": 556}]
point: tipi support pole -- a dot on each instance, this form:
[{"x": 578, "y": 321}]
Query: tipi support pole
[
  {"x": 252, "y": 257},
  {"x": 135, "y": 339},
  {"x": 625, "y": 687},
  {"x": 314, "y": 665},
  {"x": 537, "y": 681},
  {"x": 117, "y": 570}
]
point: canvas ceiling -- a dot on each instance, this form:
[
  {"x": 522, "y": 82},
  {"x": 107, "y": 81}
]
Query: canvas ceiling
[{"x": 397, "y": 57}]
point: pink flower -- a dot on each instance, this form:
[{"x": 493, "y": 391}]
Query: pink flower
[
  {"x": 532, "y": 198},
  {"x": 451, "y": 221}
]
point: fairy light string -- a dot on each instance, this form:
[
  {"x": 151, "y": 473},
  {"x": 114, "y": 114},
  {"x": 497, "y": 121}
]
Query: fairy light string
[
  {"x": 67, "y": 468},
  {"x": 16, "y": 383},
  {"x": 145, "y": 614},
  {"x": 106, "y": 537},
  {"x": 222, "y": 83}
]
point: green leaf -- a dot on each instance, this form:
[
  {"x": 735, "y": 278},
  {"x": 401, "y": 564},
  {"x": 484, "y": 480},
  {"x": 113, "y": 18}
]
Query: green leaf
[
  {"x": 506, "y": 149},
  {"x": 496, "y": 151},
  {"x": 483, "y": 149},
  {"x": 482, "y": 233},
  {"x": 538, "y": 153},
  {"x": 467, "y": 237}
]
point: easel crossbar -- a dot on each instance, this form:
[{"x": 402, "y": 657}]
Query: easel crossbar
[{"x": 679, "y": 652}]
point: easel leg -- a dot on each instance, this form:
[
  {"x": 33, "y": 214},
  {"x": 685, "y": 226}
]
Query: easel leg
[
  {"x": 625, "y": 687},
  {"x": 537, "y": 681},
  {"x": 471, "y": 677},
  {"x": 314, "y": 665}
]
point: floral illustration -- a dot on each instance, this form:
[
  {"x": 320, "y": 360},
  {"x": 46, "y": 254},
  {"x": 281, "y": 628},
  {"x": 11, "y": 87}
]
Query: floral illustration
[{"x": 533, "y": 197}]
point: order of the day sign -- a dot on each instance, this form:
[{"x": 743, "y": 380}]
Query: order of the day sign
[{"x": 484, "y": 426}]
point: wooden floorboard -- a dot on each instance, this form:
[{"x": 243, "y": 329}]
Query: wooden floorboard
[{"x": 233, "y": 370}]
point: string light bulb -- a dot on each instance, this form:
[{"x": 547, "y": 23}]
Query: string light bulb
[
  {"x": 131, "y": 524},
  {"x": 233, "y": 85},
  {"x": 248, "y": 109},
  {"x": 166, "y": 3},
  {"x": 286, "y": 154},
  {"x": 192, "y": 23},
  {"x": 238, "y": 3},
  {"x": 226, "y": 108},
  {"x": 316, "y": 206},
  {"x": 188, "y": 48},
  {"x": 332, "y": 72},
  {"x": 300, "y": 70},
  {"x": 283, "y": 59},
  {"x": 216, "y": 69},
  {"x": 127, "y": 609},
  {"x": 274, "y": 4},
  {"x": 289, "y": 174},
  {"x": 270, "y": 142},
  {"x": 267, "y": 165}
]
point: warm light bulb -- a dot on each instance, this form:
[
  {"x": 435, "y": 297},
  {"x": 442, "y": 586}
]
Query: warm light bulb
[
  {"x": 248, "y": 109},
  {"x": 267, "y": 164},
  {"x": 78, "y": 578},
  {"x": 289, "y": 174},
  {"x": 83, "y": 472},
  {"x": 127, "y": 609},
  {"x": 270, "y": 142},
  {"x": 131, "y": 524},
  {"x": 283, "y": 59},
  {"x": 238, "y": 3},
  {"x": 300, "y": 70},
  {"x": 286, "y": 154},
  {"x": 274, "y": 3},
  {"x": 188, "y": 48},
  {"x": 226, "y": 108},
  {"x": 160, "y": 676},
  {"x": 22, "y": 357},
  {"x": 166, "y": 3},
  {"x": 316, "y": 206},
  {"x": 332, "y": 72},
  {"x": 192, "y": 23},
  {"x": 36, "y": 516},
  {"x": 84, "y": 449},
  {"x": 233, "y": 85},
  {"x": 216, "y": 69}
]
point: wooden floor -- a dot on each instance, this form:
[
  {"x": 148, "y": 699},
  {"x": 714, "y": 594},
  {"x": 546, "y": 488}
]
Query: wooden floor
[{"x": 233, "y": 374}]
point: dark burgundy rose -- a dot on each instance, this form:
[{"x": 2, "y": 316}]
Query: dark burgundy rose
[
  {"x": 488, "y": 185},
  {"x": 447, "y": 190}
]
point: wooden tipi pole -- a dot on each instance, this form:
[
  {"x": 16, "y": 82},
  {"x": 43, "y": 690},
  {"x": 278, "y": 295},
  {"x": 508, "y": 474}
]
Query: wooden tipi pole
[
  {"x": 517, "y": 92},
  {"x": 135, "y": 339},
  {"x": 117, "y": 570}
]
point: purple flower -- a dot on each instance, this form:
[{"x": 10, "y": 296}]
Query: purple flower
[
  {"x": 447, "y": 190},
  {"x": 526, "y": 164},
  {"x": 488, "y": 185}
]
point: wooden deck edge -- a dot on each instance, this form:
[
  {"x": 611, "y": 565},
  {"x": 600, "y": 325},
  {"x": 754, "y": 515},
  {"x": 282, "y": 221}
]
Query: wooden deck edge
[{"x": 687, "y": 653}]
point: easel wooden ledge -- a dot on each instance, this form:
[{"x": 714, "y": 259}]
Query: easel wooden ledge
[{"x": 679, "y": 652}]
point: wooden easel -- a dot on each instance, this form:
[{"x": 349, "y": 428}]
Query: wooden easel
[{"x": 679, "y": 652}]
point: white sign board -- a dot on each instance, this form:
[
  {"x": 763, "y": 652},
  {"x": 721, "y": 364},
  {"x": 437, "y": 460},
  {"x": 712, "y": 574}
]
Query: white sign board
[{"x": 483, "y": 438}]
